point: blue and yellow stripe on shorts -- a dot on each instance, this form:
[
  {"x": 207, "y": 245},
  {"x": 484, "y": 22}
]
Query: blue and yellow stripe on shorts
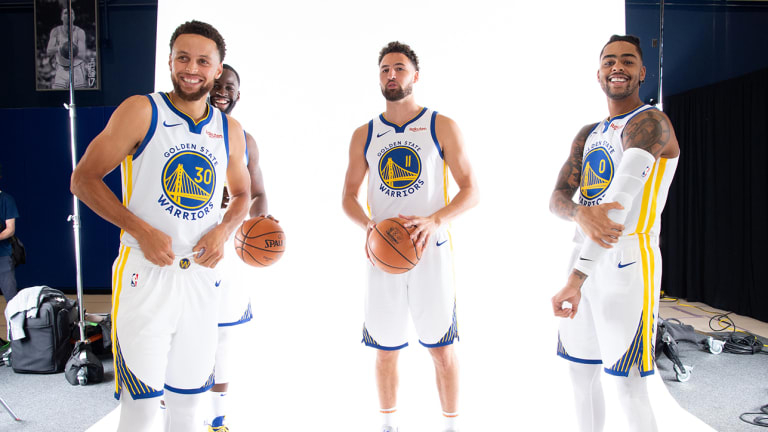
[
  {"x": 124, "y": 378},
  {"x": 449, "y": 336},
  {"x": 642, "y": 350}
]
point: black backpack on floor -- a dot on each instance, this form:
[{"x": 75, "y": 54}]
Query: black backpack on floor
[{"x": 46, "y": 347}]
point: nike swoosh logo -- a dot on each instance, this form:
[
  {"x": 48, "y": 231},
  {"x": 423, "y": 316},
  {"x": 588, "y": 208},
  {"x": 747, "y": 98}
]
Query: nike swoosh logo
[
  {"x": 218, "y": 282},
  {"x": 441, "y": 243},
  {"x": 170, "y": 125},
  {"x": 584, "y": 259},
  {"x": 379, "y": 135},
  {"x": 625, "y": 265}
]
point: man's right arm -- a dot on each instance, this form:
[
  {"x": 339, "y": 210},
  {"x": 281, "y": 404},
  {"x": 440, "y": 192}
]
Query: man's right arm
[
  {"x": 122, "y": 135},
  {"x": 593, "y": 220},
  {"x": 353, "y": 180}
]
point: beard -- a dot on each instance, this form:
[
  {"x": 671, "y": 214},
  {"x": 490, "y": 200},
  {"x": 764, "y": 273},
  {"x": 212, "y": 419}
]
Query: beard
[
  {"x": 396, "y": 94},
  {"x": 620, "y": 94},
  {"x": 230, "y": 107},
  {"x": 202, "y": 93}
]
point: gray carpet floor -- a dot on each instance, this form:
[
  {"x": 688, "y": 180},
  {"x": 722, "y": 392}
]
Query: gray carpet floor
[
  {"x": 720, "y": 388},
  {"x": 48, "y": 403}
]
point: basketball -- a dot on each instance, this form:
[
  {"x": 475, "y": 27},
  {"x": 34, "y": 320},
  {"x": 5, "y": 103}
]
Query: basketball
[
  {"x": 260, "y": 242},
  {"x": 64, "y": 50},
  {"x": 391, "y": 248}
]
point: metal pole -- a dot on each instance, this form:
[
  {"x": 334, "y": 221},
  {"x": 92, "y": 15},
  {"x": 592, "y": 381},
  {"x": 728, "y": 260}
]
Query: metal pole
[
  {"x": 661, "y": 55},
  {"x": 75, "y": 216}
]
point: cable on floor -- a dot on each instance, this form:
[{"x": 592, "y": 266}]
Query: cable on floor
[{"x": 760, "y": 420}]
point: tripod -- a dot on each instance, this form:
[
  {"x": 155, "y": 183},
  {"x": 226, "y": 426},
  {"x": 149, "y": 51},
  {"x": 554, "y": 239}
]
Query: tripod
[{"x": 10, "y": 411}]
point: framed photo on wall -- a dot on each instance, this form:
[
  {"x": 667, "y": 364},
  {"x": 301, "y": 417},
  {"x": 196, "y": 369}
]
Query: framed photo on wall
[{"x": 52, "y": 55}]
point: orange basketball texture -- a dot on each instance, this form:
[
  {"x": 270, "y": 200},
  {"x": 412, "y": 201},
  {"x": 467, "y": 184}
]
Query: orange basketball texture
[
  {"x": 260, "y": 242},
  {"x": 391, "y": 248}
]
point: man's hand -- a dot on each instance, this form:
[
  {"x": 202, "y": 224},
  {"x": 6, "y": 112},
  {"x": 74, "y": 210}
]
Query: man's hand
[
  {"x": 571, "y": 293},
  {"x": 423, "y": 228},
  {"x": 596, "y": 224},
  {"x": 210, "y": 247},
  {"x": 156, "y": 246}
]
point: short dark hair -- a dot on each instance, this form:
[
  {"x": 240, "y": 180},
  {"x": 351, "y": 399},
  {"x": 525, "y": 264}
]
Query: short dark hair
[
  {"x": 203, "y": 29},
  {"x": 634, "y": 40},
  {"x": 397, "y": 47},
  {"x": 237, "y": 75}
]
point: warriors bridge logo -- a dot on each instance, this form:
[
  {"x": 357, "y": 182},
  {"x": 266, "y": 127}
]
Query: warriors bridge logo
[
  {"x": 189, "y": 179},
  {"x": 399, "y": 167},
  {"x": 596, "y": 173}
]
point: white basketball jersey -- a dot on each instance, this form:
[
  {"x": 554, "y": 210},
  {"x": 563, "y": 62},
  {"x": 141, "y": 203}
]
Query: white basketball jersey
[
  {"x": 602, "y": 155},
  {"x": 406, "y": 171},
  {"x": 175, "y": 179}
]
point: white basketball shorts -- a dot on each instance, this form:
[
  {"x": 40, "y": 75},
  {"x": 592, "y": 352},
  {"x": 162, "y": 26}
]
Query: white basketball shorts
[
  {"x": 616, "y": 321},
  {"x": 164, "y": 330},
  {"x": 427, "y": 292},
  {"x": 235, "y": 298}
]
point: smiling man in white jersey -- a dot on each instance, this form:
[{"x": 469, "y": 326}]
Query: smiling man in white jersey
[
  {"x": 426, "y": 145},
  {"x": 235, "y": 304},
  {"x": 173, "y": 149},
  {"x": 622, "y": 168}
]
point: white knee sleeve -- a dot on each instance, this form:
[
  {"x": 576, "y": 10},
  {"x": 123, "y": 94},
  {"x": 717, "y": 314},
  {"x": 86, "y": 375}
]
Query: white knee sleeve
[
  {"x": 137, "y": 415},
  {"x": 223, "y": 351},
  {"x": 180, "y": 411},
  {"x": 588, "y": 395},
  {"x": 630, "y": 179}
]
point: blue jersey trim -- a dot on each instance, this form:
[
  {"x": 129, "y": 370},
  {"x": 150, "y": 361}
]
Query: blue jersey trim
[
  {"x": 626, "y": 373},
  {"x": 247, "y": 316},
  {"x": 245, "y": 137},
  {"x": 383, "y": 348},
  {"x": 225, "y": 127},
  {"x": 194, "y": 127},
  {"x": 398, "y": 128},
  {"x": 150, "y": 131},
  {"x": 202, "y": 389},
  {"x": 578, "y": 360},
  {"x": 610, "y": 120},
  {"x": 368, "y": 139},
  {"x": 434, "y": 135}
]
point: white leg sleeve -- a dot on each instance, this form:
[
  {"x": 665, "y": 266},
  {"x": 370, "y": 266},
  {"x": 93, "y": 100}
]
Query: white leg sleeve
[
  {"x": 633, "y": 395},
  {"x": 223, "y": 352},
  {"x": 588, "y": 393},
  {"x": 137, "y": 415},
  {"x": 180, "y": 411},
  {"x": 630, "y": 178}
]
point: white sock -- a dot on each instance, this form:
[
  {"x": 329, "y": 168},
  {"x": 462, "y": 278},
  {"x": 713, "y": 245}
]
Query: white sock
[
  {"x": 218, "y": 407},
  {"x": 388, "y": 417},
  {"x": 451, "y": 421}
]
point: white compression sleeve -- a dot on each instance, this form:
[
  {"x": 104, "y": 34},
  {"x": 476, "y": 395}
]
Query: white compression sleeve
[{"x": 630, "y": 179}]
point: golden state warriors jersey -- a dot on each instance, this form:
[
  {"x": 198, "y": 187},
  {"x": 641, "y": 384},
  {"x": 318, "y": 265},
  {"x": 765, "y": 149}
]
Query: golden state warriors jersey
[
  {"x": 602, "y": 155},
  {"x": 174, "y": 181},
  {"x": 406, "y": 170}
]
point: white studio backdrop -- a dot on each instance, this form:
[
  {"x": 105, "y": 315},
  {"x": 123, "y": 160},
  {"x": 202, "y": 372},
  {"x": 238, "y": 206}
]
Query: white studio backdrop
[{"x": 520, "y": 80}]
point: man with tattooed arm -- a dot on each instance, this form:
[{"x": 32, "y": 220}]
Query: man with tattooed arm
[{"x": 622, "y": 168}]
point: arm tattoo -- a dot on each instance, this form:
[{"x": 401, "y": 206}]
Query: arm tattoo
[
  {"x": 561, "y": 203},
  {"x": 649, "y": 131}
]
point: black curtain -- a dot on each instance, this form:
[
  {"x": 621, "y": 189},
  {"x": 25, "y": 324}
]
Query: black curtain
[{"x": 715, "y": 225}]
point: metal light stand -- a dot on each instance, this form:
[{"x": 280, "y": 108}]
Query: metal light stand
[
  {"x": 661, "y": 55},
  {"x": 75, "y": 217}
]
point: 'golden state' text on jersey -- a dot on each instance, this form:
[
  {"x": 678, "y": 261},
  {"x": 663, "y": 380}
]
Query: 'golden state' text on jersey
[
  {"x": 603, "y": 151},
  {"x": 174, "y": 180},
  {"x": 406, "y": 170}
]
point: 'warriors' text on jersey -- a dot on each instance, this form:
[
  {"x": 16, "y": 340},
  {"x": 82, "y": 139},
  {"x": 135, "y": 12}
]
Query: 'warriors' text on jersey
[
  {"x": 174, "y": 180},
  {"x": 406, "y": 170}
]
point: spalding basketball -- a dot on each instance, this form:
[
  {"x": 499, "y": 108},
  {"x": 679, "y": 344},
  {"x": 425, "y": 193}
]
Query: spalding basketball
[
  {"x": 260, "y": 242},
  {"x": 390, "y": 246}
]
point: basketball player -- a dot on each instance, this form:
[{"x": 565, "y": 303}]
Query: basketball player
[
  {"x": 173, "y": 149},
  {"x": 58, "y": 47},
  {"x": 422, "y": 144},
  {"x": 235, "y": 303},
  {"x": 622, "y": 168}
]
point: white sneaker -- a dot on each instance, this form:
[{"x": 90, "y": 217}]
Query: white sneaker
[{"x": 385, "y": 428}]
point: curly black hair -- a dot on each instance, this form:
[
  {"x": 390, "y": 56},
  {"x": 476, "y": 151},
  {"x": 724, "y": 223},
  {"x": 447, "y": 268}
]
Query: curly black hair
[
  {"x": 397, "y": 47},
  {"x": 203, "y": 29},
  {"x": 634, "y": 40}
]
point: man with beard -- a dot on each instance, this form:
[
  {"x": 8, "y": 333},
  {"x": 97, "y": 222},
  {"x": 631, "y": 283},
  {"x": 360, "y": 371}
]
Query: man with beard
[
  {"x": 235, "y": 302},
  {"x": 622, "y": 167},
  {"x": 173, "y": 150},
  {"x": 421, "y": 143}
]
